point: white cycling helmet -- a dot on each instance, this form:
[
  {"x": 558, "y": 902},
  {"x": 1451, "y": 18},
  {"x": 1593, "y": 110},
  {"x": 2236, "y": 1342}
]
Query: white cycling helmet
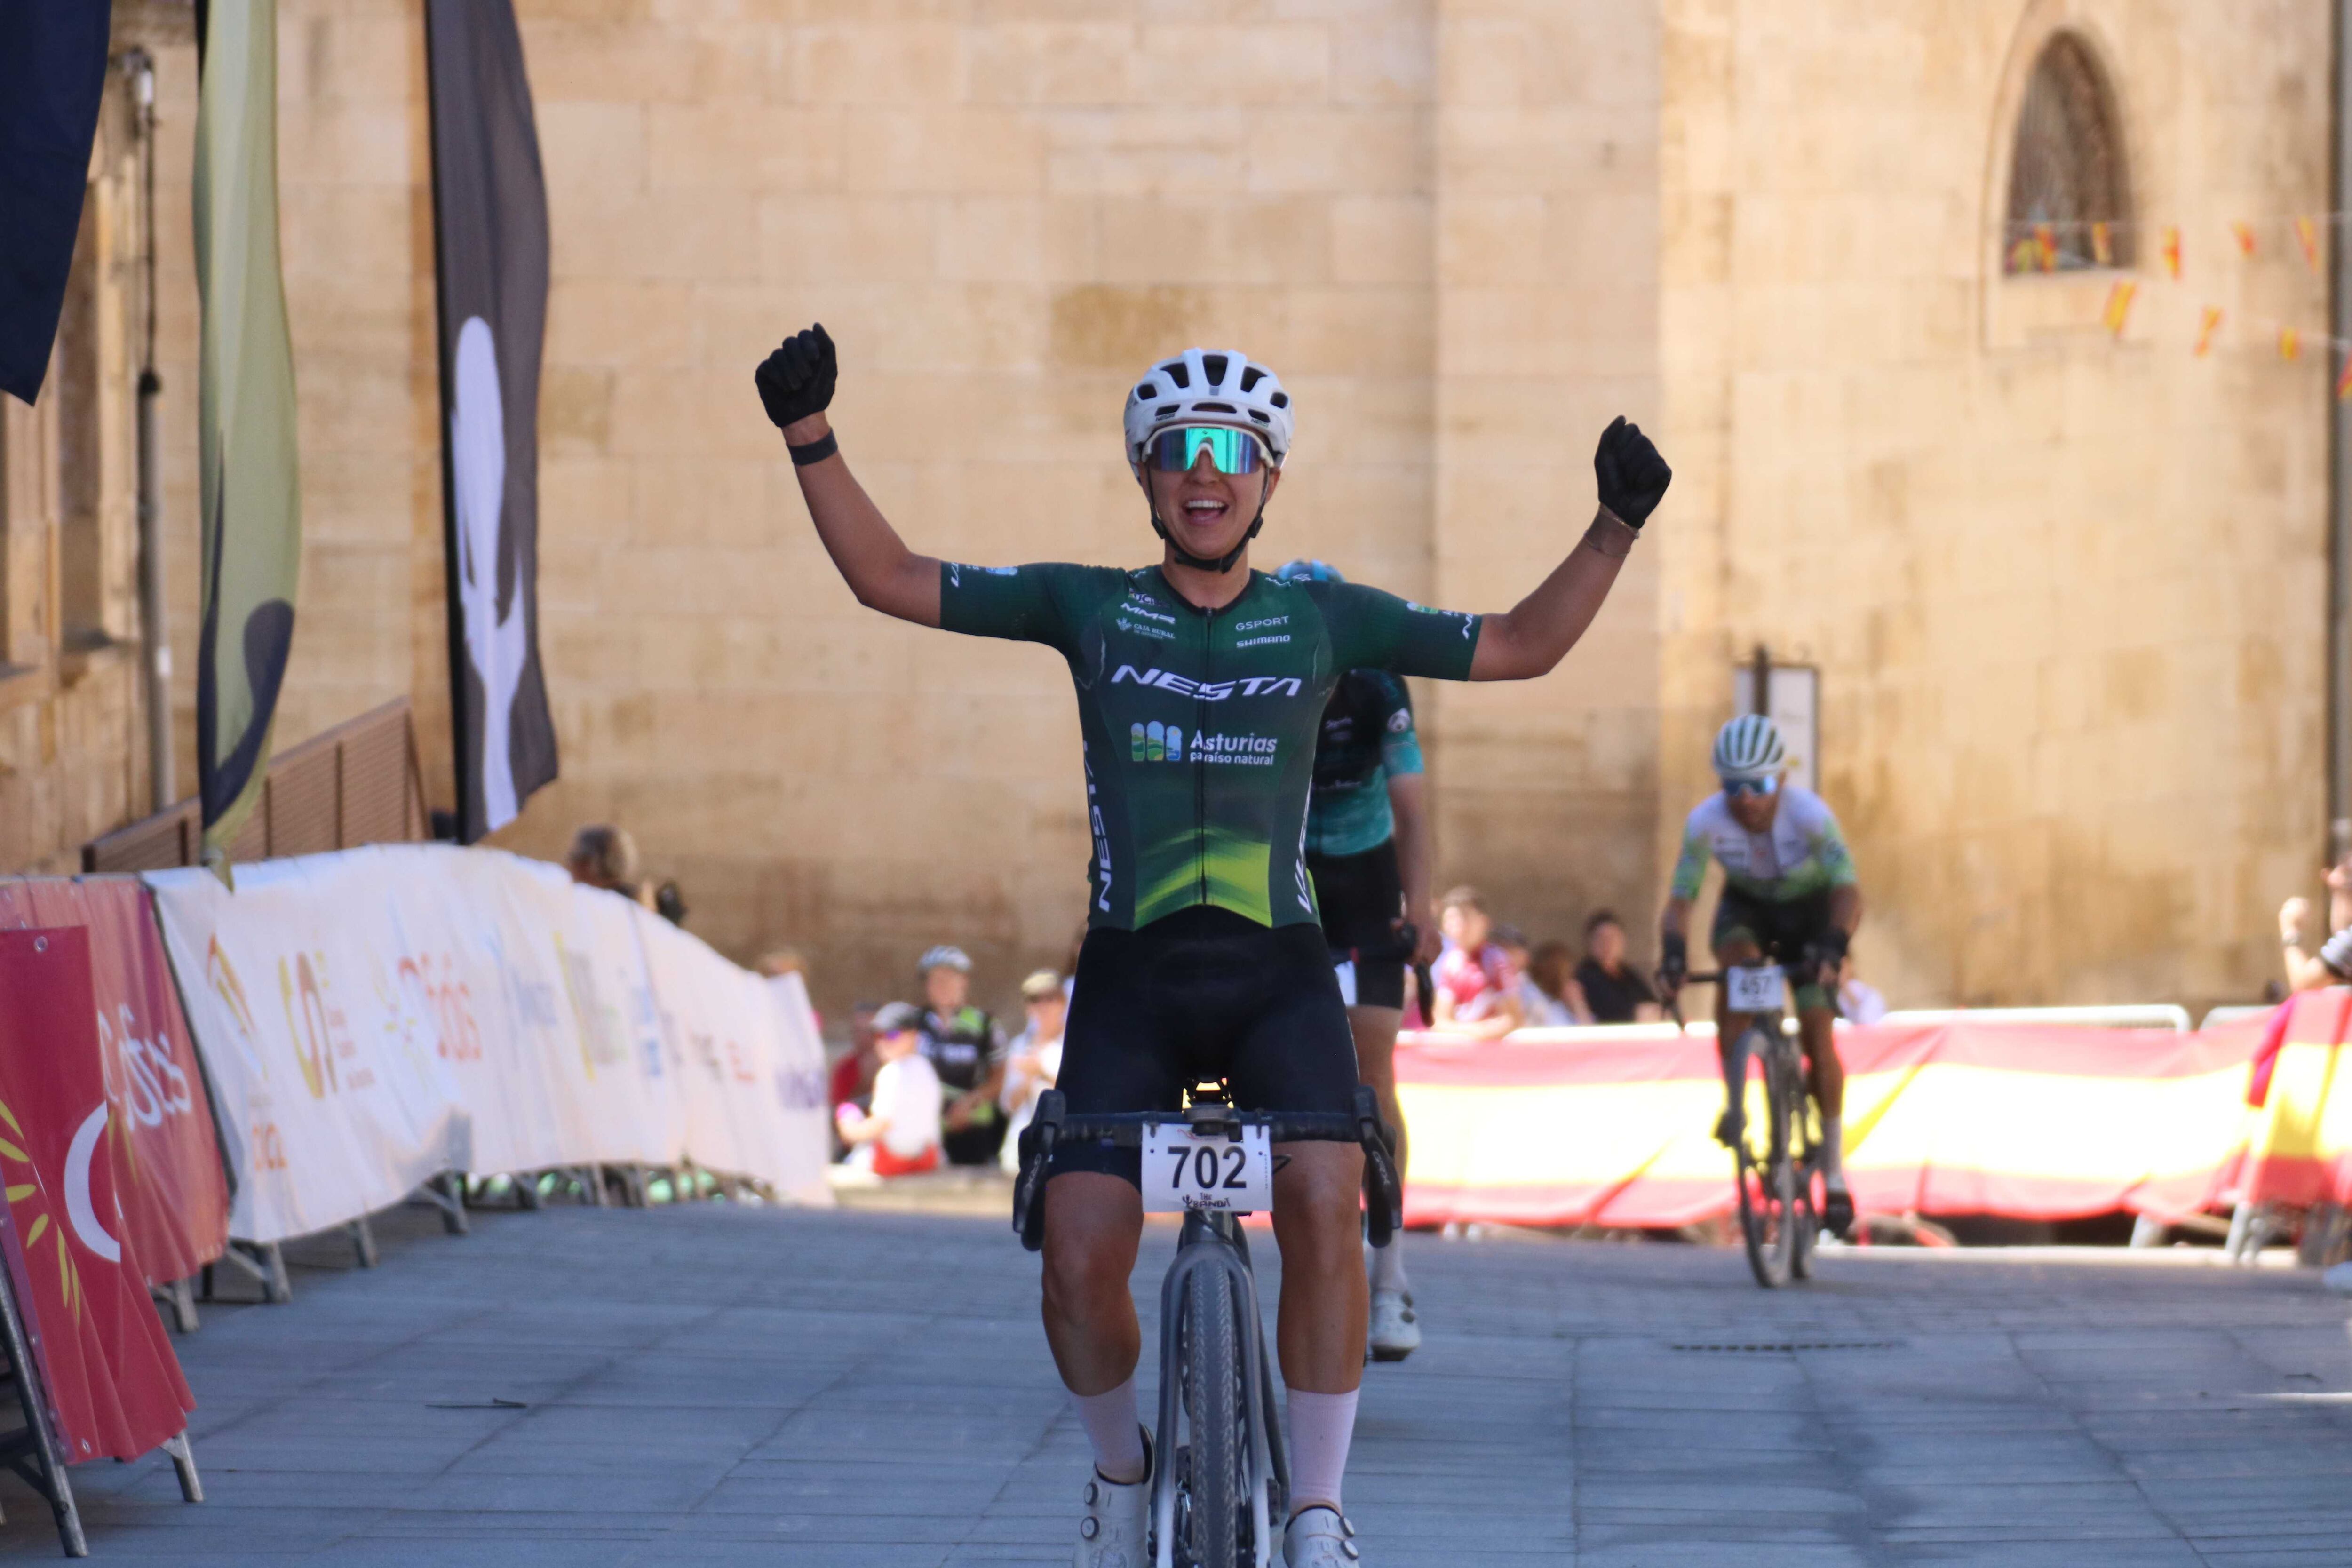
[
  {"x": 1749, "y": 748},
  {"x": 1208, "y": 387},
  {"x": 944, "y": 957}
]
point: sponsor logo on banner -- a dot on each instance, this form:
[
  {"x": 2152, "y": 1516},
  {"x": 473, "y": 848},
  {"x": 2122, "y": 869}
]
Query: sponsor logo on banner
[
  {"x": 321, "y": 1035},
  {"x": 426, "y": 995}
]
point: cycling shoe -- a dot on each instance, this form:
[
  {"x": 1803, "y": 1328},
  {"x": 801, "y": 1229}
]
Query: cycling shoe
[
  {"x": 1732, "y": 1126},
  {"x": 1837, "y": 1209},
  {"x": 1319, "y": 1538},
  {"x": 1116, "y": 1529},
  {"x": 1396, "y": 1330}
]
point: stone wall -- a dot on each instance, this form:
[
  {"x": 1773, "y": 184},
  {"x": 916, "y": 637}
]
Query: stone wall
[{"x": 2065, "y": 591}]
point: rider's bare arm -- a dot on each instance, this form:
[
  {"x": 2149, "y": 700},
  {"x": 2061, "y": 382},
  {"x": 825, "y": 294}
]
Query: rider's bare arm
[
  {"x": 1409, "y": 803},
  {"x": 1845, "y": 908},
  {"x": 1533, "y": 636},
  {"x": 872, "y": 559},
  {"x": 1676, "y": 922}
]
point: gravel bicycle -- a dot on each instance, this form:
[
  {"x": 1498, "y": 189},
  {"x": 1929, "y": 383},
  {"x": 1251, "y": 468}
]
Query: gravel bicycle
[
  {"x": 1221, "y": 1497},
  {"x": 1774, "y": 1165}
]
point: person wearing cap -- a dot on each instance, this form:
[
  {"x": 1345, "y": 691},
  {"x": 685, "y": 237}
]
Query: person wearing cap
[
  {"x": 967, "y": 1049},
  {"x": 900, "y": 1136},
  {"x": 1034, "y": 1061}
]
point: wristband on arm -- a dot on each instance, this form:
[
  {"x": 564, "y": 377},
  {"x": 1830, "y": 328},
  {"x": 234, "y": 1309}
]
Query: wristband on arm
[{"x": 815, "y": 451}]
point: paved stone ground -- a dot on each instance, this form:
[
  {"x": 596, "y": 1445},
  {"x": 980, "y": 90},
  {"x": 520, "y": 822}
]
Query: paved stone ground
[{"x": 712, "y": 1387}]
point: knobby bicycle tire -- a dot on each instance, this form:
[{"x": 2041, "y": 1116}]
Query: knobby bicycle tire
[{"x": 1218, "y": 1471}]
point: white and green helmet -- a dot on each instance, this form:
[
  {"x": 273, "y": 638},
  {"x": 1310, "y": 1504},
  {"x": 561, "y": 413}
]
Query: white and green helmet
[{"x": 1749, "y": 748}]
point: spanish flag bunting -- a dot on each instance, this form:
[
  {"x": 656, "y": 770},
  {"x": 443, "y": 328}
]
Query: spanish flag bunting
[
  {"x": 2245, "y": 232},
  {"x": 2213, "y": 321},
  {"x": 2309, "y": 233},
  {"x": 2172, "y": 251},
  {"x": 2045, "y": 246},
  {"x": 2290, "y": 343},
  {"x": 2102, "y": 248},
  {"x": 2120, "y": 303}
]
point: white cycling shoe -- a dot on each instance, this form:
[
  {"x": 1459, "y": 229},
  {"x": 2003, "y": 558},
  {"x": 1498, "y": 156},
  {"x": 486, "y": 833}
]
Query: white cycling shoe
[
  {"x": 1396, "y": 1329},
  {"x": 1319, "y": 1538},
  {"x": 1117, "y": 1526}
]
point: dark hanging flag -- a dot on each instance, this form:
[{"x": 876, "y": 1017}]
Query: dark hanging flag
[
  {"x": 252, "y": 538},
  {"x": 52, "y": 71},
  {"x": 490, "y": 205}
]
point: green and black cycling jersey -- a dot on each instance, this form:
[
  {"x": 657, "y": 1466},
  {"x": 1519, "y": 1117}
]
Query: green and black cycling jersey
[
  {"x": 1367, "y": 738},
  {"x": 1200, "y": 725}
]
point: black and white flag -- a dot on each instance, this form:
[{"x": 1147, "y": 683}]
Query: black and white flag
[{"x": 490, "y": 205}]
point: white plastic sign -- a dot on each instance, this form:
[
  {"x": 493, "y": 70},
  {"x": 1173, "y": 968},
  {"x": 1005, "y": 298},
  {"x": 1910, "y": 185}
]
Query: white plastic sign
[
  {"x": 1184, "y": 1170},
  {"x": 1754, "y": 990}
]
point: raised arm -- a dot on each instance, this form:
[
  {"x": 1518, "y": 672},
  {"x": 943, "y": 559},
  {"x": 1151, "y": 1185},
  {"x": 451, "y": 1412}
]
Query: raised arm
[
  {"x": 1537, "y": 633},
  {"x": 796, "y": 386}
]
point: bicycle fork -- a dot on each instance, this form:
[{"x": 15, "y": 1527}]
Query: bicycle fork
[{"x": 1217, "y": 1246}]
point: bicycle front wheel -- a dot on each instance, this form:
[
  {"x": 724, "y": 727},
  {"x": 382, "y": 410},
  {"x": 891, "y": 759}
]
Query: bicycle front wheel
[
  {"x": 1218, "y": 1489},
  {"x": 1768, "y": 1183}
]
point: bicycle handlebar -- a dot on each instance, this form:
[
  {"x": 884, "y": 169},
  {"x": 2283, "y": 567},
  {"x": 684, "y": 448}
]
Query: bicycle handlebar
[{"x": 1384, "y": 1196}]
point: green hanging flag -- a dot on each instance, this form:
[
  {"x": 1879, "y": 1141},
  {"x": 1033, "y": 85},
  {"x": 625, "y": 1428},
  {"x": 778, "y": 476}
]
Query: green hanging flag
[{"x": 252, "y": 497}]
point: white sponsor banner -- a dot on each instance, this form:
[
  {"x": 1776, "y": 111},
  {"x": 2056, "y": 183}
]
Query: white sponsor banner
[
  {"x": 330, "y": 1101},
  {"x": 375, "y": 1017}
]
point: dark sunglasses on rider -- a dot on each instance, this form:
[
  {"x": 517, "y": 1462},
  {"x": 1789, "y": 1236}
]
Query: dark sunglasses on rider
[
  {"x": 1175, "y": 451},
  {"x": 1736, "y": 787}
]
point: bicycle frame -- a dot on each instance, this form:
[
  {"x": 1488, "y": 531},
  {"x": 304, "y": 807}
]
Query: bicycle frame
[{"x": 1214, "y": 1243}]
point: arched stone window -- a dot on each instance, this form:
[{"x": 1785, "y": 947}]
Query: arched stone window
[{"x": 2069, "y": 194}]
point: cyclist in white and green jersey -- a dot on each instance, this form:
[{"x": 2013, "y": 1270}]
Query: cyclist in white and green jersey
[
  {"x": 1790, "y": 895},
  {"x": 1200, "y": 684}
]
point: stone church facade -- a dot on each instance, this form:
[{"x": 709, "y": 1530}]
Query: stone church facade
[{"x": 2062, "y": 587}]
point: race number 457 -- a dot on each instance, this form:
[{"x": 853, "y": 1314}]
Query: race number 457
[{"x": 1184, "y": 1170}]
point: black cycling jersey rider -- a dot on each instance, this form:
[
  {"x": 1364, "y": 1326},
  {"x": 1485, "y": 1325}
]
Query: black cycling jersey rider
[{"x": 1200, "y": 684}]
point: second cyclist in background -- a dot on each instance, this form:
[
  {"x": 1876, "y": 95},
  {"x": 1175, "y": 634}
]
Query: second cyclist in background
[
  {"x": 1790, "y": 897},
  {"x": 1367, "y": 852}
]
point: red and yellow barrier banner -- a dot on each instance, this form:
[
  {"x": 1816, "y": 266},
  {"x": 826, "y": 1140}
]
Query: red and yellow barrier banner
[
  {"x": 2031, "y": 1122},
  {"x": 175, "y": 1196},
  {"x": 113, "y": 1384},
  {"x": 2301, "y": 1151}
]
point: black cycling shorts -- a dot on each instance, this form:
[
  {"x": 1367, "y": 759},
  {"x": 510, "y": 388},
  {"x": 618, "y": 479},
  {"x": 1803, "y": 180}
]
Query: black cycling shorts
[
  {"x": 1360, "y": 898},
  {"x": 1200, "y": 994},
  {"x": 1782, "y": 930}
]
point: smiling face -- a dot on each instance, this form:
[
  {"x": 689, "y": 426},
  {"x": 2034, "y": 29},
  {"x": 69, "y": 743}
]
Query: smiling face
[{"x": 1204, "y": 510}]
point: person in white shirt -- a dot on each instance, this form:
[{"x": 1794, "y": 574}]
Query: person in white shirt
[
  {"x": 1034, "y": 1061},
  {"x": 900, "y": 1136}
]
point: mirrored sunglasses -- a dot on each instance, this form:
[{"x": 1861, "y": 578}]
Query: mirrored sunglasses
[
  {"x": 1751, "y": 786},
  {"x": 1174, "y": 451}
]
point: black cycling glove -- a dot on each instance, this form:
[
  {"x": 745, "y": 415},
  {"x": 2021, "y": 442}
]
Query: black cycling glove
[
  {"x": 1673, "y": 957},
  {"x": 1633, "y": 477},
  {"x": 1826, "y": 953},
  {"x": 797, "y": 380}
]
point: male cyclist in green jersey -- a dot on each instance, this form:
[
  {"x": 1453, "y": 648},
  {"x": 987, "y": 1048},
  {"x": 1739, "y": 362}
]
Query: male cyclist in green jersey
[
  {"x": 1199, "y": 684},
  {"x": 1790, "y": 897},
  {"x": 1368, "y": 851}
]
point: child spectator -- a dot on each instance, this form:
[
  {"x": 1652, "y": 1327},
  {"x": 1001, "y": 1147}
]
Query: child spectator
[
  {"x": 900, "y": 1136},
  {"x": 1538, "y": 1008},
  {"x": 1549, "y": 977},
  {"x": 1477, "y": 990},
  {"x": 1034, "y": 1061},
  {"x": 1614, "y": 989}
]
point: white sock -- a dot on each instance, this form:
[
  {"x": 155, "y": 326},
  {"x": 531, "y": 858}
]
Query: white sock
[
  {"x": 1322, "y": 1425},
  {"x": 1115, "y": 1430},
  {"x": 1388, "y": 1269},
  {"x": 1834, "y": 1148}
]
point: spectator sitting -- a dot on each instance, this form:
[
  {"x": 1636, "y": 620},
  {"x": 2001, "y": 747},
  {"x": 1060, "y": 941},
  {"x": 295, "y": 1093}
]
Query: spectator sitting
[
  {"x": 2332, "y": 964},
  {"x": 605, "y": 856},
  {"x": 1614, "y": 989},
  {"x": 1548, "y": 973},
  {"x": 900, "y": 1136},
  {"x": 1034, "y": 1061},
  {"x": 967, "y": 1049},
  {"x": 1538, "y": 1008},
  {"x": 1477, "y": 990},
  {"x": 852, "y": 1083}
]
